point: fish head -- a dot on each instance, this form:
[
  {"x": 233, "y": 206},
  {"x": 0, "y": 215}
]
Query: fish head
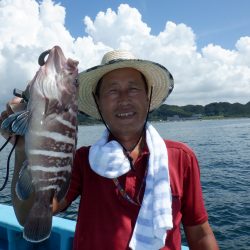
[
  {"x": 55, "y": 81},
  {"x": 64, "y": 71}
]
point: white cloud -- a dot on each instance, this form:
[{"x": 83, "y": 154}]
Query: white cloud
[
  {"x": 117, "y": 29},
  {"x": 29, "y": 28},
  {"x": 201, "y": 77}
]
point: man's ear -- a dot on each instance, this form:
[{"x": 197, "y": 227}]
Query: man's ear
[{"x": 97, "y": 101}]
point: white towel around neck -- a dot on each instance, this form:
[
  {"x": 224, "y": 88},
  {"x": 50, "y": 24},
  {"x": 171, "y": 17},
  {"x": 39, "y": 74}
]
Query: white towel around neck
[{"x": 107, "y": 159}]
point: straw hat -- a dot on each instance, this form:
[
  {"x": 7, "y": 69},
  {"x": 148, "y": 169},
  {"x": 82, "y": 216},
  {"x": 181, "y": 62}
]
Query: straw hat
[{"x": 156, "y": 76}]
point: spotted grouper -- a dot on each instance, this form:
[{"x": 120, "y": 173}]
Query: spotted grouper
[{"x": 49, "y": 124}]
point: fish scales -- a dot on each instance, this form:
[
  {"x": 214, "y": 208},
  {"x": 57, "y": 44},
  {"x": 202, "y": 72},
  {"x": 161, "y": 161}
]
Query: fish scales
[{"x": 51, "y": 144}]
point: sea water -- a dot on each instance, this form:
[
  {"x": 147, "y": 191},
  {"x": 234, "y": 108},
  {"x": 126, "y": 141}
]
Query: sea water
[{"x": 223, "y": 151}]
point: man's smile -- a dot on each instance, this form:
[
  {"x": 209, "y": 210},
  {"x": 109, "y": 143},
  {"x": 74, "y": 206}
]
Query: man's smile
[{"x": 125, "y": 114}]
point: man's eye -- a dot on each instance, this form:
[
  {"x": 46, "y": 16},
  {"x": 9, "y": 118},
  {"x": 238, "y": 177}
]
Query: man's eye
[
  {"x": 134, "y": 89},
  {"x": 112, "y": 91}
]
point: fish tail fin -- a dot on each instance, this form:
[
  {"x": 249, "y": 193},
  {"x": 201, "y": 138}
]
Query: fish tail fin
[
  {"x": 24, "y": 185},
  {"x": 37, "y": 227}
]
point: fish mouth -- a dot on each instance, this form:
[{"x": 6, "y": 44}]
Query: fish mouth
[
  {"x": 53, "y": 61},
  {"x": 52, "y": 58}
]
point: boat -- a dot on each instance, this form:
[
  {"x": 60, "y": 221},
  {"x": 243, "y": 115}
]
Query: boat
[{"x": 11, "y": 237}]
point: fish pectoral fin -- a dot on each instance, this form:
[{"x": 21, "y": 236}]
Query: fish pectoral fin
[
  {"x": 20, "y": 124},
  {"x": 24, "y": 186},
  {"x": 7, "y": 123},
  {"x": 37, "y": 227}
]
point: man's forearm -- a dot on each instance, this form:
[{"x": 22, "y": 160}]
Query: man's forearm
[{"x": 201, "y": 237}]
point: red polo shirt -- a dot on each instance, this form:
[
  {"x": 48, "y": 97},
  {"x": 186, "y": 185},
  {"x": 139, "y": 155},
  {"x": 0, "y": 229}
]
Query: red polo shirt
[{"x": 106, "y": 220}]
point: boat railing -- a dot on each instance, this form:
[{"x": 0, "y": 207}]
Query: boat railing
[{"x": 11, "y": 236}]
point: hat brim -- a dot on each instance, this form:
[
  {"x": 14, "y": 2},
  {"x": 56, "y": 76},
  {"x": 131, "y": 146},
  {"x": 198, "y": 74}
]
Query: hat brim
[{"x": 156, "y": 75}]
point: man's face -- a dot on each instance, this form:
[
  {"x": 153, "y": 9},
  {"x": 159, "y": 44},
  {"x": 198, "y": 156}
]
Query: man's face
[{"x": 123, "y": 101}]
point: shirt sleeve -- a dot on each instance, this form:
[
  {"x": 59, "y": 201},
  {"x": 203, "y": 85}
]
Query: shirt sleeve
[
  {"x": 75, "y": 186},
  {"x": 193, "y": 208}
]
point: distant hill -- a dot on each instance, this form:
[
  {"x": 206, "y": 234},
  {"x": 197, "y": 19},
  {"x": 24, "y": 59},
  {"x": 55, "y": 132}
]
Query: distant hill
[
  {"x": 166, "y": 112},
  {"x": 222, "y": 109}
]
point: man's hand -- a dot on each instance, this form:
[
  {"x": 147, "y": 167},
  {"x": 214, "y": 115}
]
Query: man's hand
[
  {"x": 58, "y": 207},
  {"x": 13, "y": 106}
]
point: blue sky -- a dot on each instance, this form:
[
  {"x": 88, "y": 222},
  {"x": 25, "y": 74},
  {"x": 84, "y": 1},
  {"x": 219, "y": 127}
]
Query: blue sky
[
  {"x": 219, "y": 22},
  {"x": 204, "y": 44}
]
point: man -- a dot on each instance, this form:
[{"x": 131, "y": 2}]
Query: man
[{"x": 136, "y": 189}]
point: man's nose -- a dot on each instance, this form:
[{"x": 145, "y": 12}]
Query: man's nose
[{"x": 124, "y": 96}]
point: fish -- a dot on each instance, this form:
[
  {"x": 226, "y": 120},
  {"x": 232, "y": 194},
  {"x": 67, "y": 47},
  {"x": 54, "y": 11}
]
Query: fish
[{"x": 49, "y": 126}]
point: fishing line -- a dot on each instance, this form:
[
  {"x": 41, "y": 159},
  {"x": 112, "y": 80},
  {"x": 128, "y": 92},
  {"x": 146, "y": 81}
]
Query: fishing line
[
  {"x": 4, "y": 145},
  {"x": 8, "y": 161}
]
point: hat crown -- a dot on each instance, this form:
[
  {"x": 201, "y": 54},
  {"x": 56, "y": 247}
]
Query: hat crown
[{"x": 117, "y": 55}]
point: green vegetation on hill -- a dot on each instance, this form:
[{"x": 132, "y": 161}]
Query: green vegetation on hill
[{"x": 216, "y": 109}]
